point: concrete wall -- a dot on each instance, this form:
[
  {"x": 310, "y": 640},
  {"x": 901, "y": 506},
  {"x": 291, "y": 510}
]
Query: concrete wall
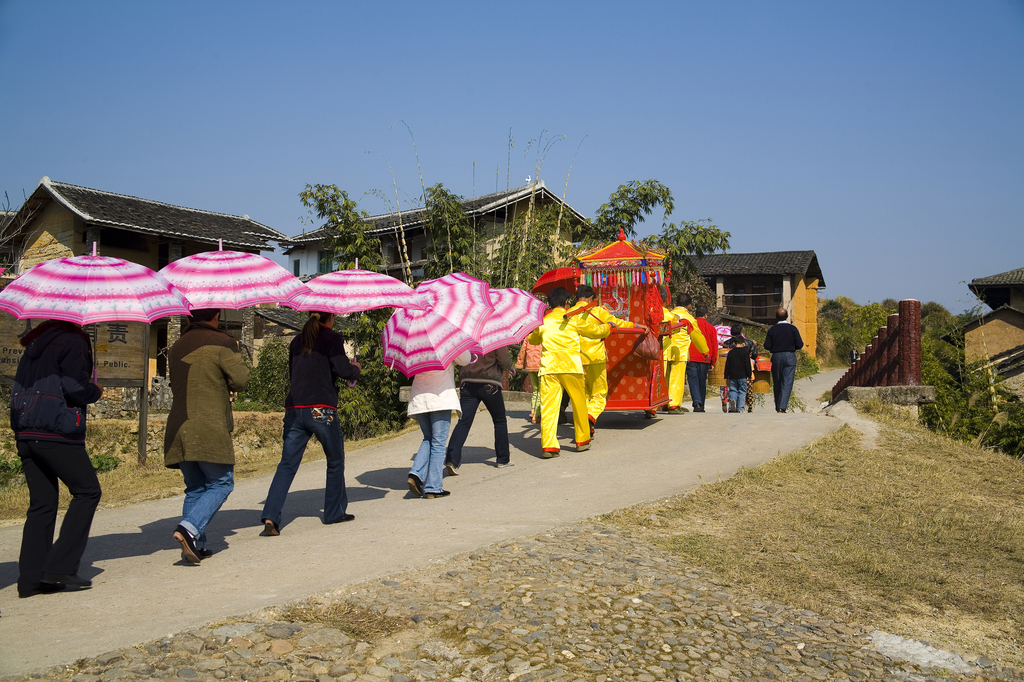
[{"x": 1002, "y": 331}]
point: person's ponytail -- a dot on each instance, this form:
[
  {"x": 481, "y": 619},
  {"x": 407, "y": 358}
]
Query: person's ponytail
[{"x": 311, "y": 330}]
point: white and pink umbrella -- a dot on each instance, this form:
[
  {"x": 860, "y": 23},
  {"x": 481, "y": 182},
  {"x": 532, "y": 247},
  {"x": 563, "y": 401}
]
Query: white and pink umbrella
[
  {"x": 89, "y": 289},
  {"x": 462, "y": 300},
  {"x": 232, "y": 279},
  {"x": 452, "y": 313},
  {"x": 352, "y": 291},
  {"x": 417, "y": 341},
  {"x": 516, "y": 314}
]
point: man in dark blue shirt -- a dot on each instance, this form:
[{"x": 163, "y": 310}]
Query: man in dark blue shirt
[{"x": 783, "y": 341}]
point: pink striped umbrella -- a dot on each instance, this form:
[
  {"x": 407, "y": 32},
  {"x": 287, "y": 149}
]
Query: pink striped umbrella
[
  {"x": 232, "y": 279},
  {"x": 516, "y": 314},
  {"x": 453, "y": 310},
  {"x": 88, "y": 289},
  {"x": 417, "y": 341},
  {"x": 462, "y": 300},
  {"x": 351, "y": 291}
]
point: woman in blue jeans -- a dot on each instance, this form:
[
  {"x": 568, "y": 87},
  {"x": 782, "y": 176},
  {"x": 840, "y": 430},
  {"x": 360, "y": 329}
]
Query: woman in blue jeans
[
  {"x": 316, "y": 362},
  {"x": 432, "y": 399}
]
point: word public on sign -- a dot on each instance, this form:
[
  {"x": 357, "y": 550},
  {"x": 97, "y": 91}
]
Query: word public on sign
[{"x": 118, "y": 348}]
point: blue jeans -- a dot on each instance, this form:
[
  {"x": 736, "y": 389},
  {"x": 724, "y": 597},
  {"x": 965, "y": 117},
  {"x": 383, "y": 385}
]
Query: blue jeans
[
  {"x": 697, "y": 381},
  {"x": 428, "y": 465},
  {"x": 300, "y": 424},
  {"x": 783, "y": 375},
  {"x": 738, "y": 392},
  {"x": 471, "y": 394},
  {"x": 207, "y": 485}
]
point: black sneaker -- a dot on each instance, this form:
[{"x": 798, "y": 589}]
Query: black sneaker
[
  {"x": 41, "y": 588},
  {"x": 68, "y": 579},
  {"x": 188, "y": 544},
  {"x": 415, "y": 485},
  {"x": 440, "y": 493},
  {"x": 204, "y": 553}
]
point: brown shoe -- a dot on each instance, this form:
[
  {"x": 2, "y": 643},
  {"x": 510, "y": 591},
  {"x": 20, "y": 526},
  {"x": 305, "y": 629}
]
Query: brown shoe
[{"x": 270, "y": 528}]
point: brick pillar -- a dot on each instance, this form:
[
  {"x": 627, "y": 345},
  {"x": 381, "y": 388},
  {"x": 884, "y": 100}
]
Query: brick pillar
[
  {"x": 910, "y": 342},
  {"x": 882, "y": 368},
  {"x": 893, "y": 355},
  {"x": 175, "y": 322}
]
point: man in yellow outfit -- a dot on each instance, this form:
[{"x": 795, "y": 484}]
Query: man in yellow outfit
[
  {"x": 676, "y": 350},
  {"x": 594, "y": 355},
  {"x": 561, "y": 368}
]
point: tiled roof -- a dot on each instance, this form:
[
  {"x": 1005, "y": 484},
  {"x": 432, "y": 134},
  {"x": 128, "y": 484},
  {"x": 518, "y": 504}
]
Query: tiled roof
[
  {"x": 296, "y": 319},
  {"x": 983, "y": 320},
  {"x": 107, "y": 209},
  {"x": 1008, "y": 278},
  {"x": 767, "y": 263},
  {"x": 477, "y": 206}
]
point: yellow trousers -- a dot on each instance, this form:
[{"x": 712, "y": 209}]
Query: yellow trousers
[
  {"x": 595, "y": 383},
  {"x": 675, "y": 373},
  {"x": 551, "y": 387}
]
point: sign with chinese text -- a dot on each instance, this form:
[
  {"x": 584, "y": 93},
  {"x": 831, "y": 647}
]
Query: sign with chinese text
[{"x": 118, "y": 349}]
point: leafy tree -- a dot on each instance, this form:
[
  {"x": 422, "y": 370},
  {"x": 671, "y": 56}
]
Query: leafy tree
[
  {"x": 627, "y": 206},
  {"x": 454, "y": 244},
  {"x": 346, "y": 232}
]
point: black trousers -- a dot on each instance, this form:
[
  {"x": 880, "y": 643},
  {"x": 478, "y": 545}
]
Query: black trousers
[
  {"x": 471, "y": 394},
  {"x": 45, "y": 463}
]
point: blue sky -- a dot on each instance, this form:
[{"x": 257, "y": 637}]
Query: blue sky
[{"x": 886, "y": 136}]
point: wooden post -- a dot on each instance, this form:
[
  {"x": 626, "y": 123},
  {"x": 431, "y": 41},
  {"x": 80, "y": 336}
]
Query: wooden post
[{"x": 144, "y": 398}]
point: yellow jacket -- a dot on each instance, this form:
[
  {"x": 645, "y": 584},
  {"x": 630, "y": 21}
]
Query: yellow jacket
[
  {"x": 560, "y": 337},
  {"x": 592, "y": 351},
  {"x": 677, "y": 347}
]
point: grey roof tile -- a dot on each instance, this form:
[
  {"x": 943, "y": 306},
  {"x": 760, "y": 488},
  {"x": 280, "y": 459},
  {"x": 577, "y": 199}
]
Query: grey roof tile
[
  {"x": 107, "y": 209},
  {"x": 765, "y": 263}
]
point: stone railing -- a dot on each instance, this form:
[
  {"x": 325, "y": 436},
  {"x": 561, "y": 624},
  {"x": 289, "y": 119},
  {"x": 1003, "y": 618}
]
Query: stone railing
[{"x": 894, "y": 356}]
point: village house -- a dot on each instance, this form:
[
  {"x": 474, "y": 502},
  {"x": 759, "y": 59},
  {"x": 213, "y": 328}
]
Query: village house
[
  {"x": 60, "y": 220},
  {"x": 489, "y": 214},
  {"x": 754, "y": 285},
  {"x": 997, "y": 337}
]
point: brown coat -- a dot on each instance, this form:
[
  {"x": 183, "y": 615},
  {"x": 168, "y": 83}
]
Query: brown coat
[{"x": 205, "y": 366}]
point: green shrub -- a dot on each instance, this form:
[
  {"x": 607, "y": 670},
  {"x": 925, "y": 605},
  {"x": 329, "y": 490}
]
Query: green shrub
[
  {"x": 806, "y": 365},
  {"x": 103, "y": 463},
  {"x": 268, "y": 381},
  {"x": 10, "y": 469}
]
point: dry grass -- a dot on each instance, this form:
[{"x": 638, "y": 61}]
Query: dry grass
[
  {"x": 923, "y": 536},
  {"x": 364, "y": 624},
  {"x": 257, "y": 438}
]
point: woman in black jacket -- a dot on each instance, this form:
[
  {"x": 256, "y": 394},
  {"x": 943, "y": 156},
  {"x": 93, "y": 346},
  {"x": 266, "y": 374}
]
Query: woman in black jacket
[
  {"x": 51, "y": 389},
  {"x": 316, "y": 362}
]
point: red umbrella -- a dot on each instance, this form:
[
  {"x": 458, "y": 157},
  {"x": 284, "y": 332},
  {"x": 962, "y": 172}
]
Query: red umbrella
[{"x": 566, "y": 277}]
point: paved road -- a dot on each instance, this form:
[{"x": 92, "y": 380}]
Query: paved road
[{"x": 142, "y": 590}]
